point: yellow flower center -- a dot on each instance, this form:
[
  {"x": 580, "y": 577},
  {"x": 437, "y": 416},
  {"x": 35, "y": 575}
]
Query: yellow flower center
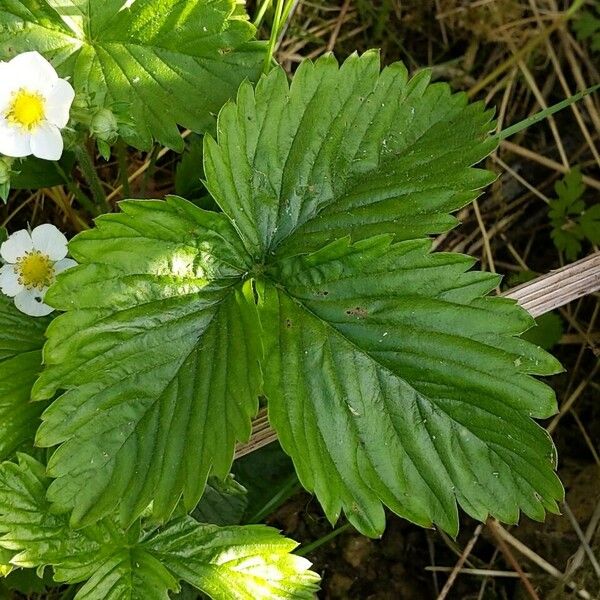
[
  {"x": 35, "y": 270},
  {"x": 26, "y": 109}
]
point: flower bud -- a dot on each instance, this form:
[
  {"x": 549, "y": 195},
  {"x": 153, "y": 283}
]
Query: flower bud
[{"x": 105, "y": 126}]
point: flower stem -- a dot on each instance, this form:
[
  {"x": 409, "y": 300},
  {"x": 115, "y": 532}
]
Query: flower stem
[
  {"x": 122, "y": 160},
  {"x": 90, "y": 174}
]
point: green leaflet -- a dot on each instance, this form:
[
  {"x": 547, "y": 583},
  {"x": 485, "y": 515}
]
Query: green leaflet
[
  {"x": 391, "y": 378},
  {"x": 345, "y": 149},
  {"x": 21, "y": 341},
  {"x": 159, "y": 360},
  {"x": 245, "y": 563},
  {"x": 169, "y": 62}
]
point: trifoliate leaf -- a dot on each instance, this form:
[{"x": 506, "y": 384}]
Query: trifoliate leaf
[
  {"x": 172, "y": 62},
  {"x": 569, "y": 190},
  {"x": 246, "y": 563},
  {"x": 391, "y": 379},
  {"x": 21, "y": 341}
]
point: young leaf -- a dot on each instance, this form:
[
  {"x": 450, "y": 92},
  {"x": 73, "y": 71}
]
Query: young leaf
[
  {"x": 245, "y": 563},
  {"x": 172, "y": 62},
  {"x": 21, "y": 341},
  {"x": 390, "y": 378}
]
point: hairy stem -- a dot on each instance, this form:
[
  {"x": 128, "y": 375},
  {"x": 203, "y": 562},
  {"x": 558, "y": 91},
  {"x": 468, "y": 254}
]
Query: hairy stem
[{"x": 88, "y": 169}]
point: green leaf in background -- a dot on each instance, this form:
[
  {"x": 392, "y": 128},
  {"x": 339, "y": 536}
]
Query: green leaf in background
[
  {"x": 587, "y": 28},
  {"x": 270, "y": 479},
  {"x": 189, "y": 173},
  {"x": 223, "y": 502},
  {"x": 34, "y": 173},
  {"x": 172, "y": 62},
  {"x": 571, "y": 219},
  {"x": 391, "y": 378},
  {"x": 548, "y": 330},
  {"x": 245, "y": 563},
  {"x": 21, "y": 341}
]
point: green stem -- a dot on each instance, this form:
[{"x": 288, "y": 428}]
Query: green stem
[
  {"x": 323, "y": 540},
  {"x": 90, "y": 174},
  {"x": 543, "y": 114},
  {"x": 150, "y": 170},
  {"x": 275, "y": 29},
  {"x": 122, "y": 160},
  {"x": 262, "y": 11},
  {"x": 76, "y": 191},
  {"x": 289, "y": 487}
]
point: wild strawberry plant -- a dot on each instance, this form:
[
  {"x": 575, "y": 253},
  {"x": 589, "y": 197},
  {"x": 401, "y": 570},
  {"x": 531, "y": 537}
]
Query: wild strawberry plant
[{"x": 391, "y": 376}]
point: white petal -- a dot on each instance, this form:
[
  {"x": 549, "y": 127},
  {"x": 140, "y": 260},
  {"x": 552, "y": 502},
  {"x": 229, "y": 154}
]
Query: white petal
[
  {"x": 46, "y": 142},
  {"x": 50, "y": 241},
  {"x": 17, "y": 244},
  {"x": 9, "y": 281},
  {"x": 14, "y": 141},
  {"x": 6, "y": 91},
  {"x": 31, "y": 71},
  {"x": 58, "y": 103},
  {"x": 64, "y": 264},
  {"x": 30, "y": 303}
]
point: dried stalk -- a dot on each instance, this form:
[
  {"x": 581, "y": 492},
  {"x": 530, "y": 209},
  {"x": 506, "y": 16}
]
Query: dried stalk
[{"x": 539, "y": 296}]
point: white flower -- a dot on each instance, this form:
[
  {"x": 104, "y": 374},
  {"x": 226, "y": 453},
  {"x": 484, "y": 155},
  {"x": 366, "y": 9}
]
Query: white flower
[
  {"x": 34, "y": 107},
  {"x": 32, "y": 262}
]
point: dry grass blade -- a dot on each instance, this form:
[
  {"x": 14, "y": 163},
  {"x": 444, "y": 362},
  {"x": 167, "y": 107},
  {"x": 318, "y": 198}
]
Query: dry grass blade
[
  {"x": 492, "y": 525},
  {"x": 539, "y": 561},
  {"x": 459, "y": 564},
  {"x": 546, "y": 162},
  {"x": 582, "y": 538}
]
